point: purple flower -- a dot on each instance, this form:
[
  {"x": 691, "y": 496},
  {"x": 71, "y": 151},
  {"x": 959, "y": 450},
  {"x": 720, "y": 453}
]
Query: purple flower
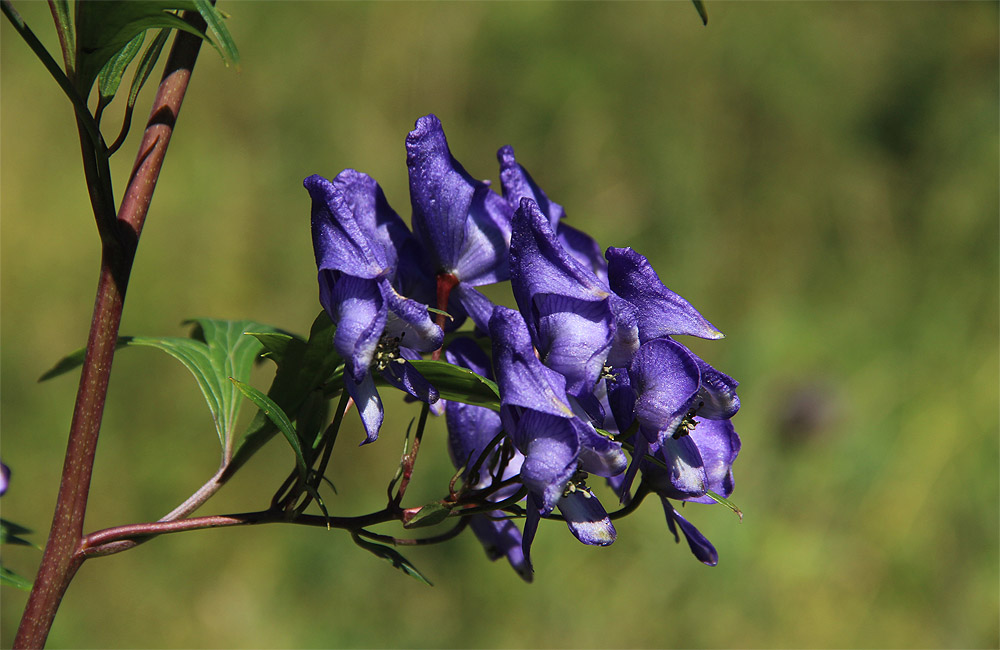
[
  {"x": 471, "y": 429},
  {"x": 559, "y": 447},
  {"x": 518, "y": 184},
  {"x": 462, "y": 224},
  {"x": 4, "y": 478},
  {"x": 660, "y": 311},
  {"x": 567, "y": 308},
  {"x": 358, "y": 240}
]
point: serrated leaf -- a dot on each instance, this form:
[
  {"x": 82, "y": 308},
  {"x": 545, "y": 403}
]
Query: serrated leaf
[
  {"x": 110, "y": 76},
  {"x": 393, "y": 557},
  {"x": 11, "y": 579},
  {"x": 431, "y": 514},
  {"x": 278, "y": 418},
  {"x": 303, "y": 367},
  {"x": 459, "y": 384}
]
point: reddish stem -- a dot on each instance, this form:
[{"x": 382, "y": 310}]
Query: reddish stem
[
  {"x": 60, "y": 560},
  {"x": 445, "y": 283}
]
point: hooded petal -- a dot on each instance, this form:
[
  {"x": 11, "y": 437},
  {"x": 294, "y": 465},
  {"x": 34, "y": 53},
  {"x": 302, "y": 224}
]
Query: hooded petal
[
  {"x": 339, "y": 242},
  {"x": 483, "y": 258},
  {"x": 355, "y": 231},
  {"x": 587, "y": 519},
  {"x": 517, "y": 183},
  {"x": 461, "y": 222},
  {"x": 574, "y": 338},
  {"x": 661, "y": 311}
]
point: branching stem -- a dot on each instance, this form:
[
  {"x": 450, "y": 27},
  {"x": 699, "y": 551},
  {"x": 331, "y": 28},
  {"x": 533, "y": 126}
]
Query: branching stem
[{"x": 61, "y": 560}]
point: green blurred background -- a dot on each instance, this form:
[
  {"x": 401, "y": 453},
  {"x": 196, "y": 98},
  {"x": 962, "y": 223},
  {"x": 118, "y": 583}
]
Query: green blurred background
[{"x": 819, "y": 179}]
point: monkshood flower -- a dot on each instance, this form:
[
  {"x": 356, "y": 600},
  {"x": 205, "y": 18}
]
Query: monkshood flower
[
  {"x": 462, "y": 224},
  {"x": 559, "y": 448},
  {"x": 518, "y": 184},
  {"x": 471, "y": 429},
  {"x": 566, "y": 307},
  {"x": 671, "y": 384},
  {"x": 715, "y": 444},
  {"x": 360, "y": 243}
]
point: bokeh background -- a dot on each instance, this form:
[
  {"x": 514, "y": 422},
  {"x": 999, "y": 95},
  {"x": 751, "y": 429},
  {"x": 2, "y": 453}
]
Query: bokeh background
[{"x": 819, "y": 179}]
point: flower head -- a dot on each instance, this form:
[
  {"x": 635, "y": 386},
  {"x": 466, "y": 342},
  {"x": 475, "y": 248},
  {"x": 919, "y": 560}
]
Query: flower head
[
  {"x": 560, "y": 449},
  {"x": 357, "y": 239}
]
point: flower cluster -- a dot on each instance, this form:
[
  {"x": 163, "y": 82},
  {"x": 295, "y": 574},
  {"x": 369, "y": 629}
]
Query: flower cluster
[{"x": 587, "y": 366}]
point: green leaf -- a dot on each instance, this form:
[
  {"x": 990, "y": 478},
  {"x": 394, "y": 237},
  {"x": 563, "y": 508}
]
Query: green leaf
[
  {"x": 459, "y": 384},
  {"x": 74, "y": 360},
  {"x": 223, "y": 39},
  {"x": 303, "y": 366},
  {"x": 10, "y": 533},
  {"x": 11, "y": 579},
  {"x": 217, "y": 351},
  {"x": 110, "y": 76},
  {"x": 103, "y": 28},
  {"x": 430, "y": 515},
  {"x": 277, "y": 417},
  {"x": 700, "y": 8},
  {"x": 142, "y": 72},
  {"x": 393, "y": 557},
  {"x": 275, "y": 343},
  {"x": 718, "y": 498}
]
